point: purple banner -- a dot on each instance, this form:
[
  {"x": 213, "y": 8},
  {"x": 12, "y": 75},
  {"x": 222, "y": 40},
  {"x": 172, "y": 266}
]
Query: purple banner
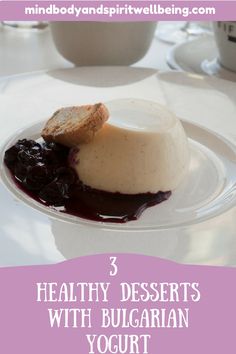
[
  {"x": 117, "y": 10},
  {"x": 117, "y": 304}
]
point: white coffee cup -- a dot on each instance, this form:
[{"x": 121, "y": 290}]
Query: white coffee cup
[
  {"x": 225, "y": 35},
  {"x": 102, "y": 43}
]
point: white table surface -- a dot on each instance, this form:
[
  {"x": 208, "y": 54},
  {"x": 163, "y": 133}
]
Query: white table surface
[{"x": 23, "y": 50}]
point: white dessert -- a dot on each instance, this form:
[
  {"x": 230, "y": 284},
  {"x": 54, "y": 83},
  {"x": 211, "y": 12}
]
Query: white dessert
[{"x": 142, "y": 149}]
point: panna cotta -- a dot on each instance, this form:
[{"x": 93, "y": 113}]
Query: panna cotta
[
  {"x": 108, "y": 172},
  {"x": 143, "y": 149}
]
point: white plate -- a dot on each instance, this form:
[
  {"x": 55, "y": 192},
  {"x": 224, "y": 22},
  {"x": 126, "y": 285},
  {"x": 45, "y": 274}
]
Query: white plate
[
  {"x": 208, "y": 190},
  {"x": 198, "y": 56},
  {"x": 31, "y": 237}
]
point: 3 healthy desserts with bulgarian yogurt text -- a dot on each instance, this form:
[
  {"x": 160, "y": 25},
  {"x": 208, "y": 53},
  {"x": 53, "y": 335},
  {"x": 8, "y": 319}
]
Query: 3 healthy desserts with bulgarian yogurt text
[{"x": 100, "y": 169}]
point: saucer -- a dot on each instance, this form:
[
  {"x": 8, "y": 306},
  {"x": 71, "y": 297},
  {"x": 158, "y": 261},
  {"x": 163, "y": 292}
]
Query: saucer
[{"x": 199, "y": 56}]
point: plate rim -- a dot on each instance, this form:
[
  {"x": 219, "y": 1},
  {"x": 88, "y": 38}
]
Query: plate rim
[{"x": 173, "y": 64}]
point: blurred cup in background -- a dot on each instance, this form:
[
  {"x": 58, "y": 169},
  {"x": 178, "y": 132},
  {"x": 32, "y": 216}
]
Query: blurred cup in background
[
  {"x": 225, "y": 35},
  {"x": 102, "y": 43}
]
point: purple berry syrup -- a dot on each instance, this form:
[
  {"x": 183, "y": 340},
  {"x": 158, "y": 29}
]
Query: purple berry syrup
[{"x": 42, "y": 172}]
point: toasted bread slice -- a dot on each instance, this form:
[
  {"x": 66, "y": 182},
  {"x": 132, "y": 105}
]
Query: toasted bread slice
[{"x": 72, "y": 126}]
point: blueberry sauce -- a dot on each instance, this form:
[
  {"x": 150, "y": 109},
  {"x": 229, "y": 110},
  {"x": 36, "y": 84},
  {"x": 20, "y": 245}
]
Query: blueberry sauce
[{"x": 42, "y": 171}]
